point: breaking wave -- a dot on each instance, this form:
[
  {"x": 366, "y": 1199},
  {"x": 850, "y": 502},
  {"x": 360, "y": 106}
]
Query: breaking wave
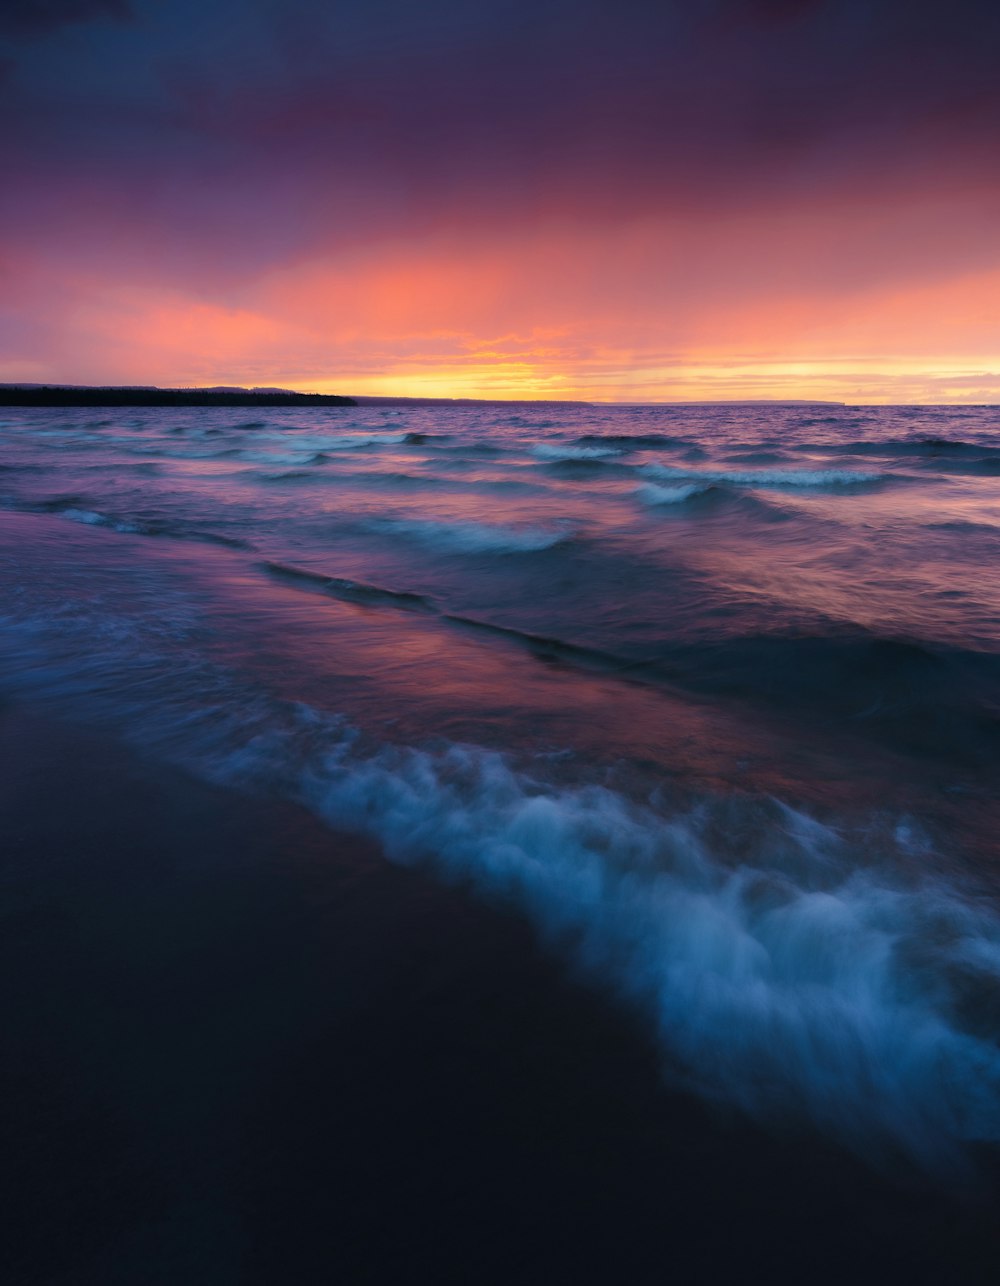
[
  {"x": 765, "y": 477},
  {"x": 796, "y": 969},
  {"x": 74, "y": 508},
  {"x": 802, "y": 982},
  {"x": 566, "y": 452},
  {"x": 651, "y": 494}
]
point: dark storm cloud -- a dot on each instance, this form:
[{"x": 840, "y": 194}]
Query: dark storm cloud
[
  {"x": 35, "y": 17},
  {"x": 704, "y": 86},
  {"x": 604, "y": 104},
  {"x": 775, "y": 10},
  {"x": 268, "y": 123}
]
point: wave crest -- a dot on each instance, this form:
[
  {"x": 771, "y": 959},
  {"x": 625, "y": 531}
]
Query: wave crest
[
  {"x": 789, "y": 967},
  {"x": 651, "y": 494},
  {"x": 786, "y": 984},
  {"x": 566, "y": 452},
  {"x": 765, "y": 477}
]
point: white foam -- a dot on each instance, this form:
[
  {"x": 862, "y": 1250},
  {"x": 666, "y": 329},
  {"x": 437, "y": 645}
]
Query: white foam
[
  {"x": 89, "y": 516},
  {"x": 764, "y": 477},
  {"x": 651, "y": 494},
  {"x": 788, "y": 985},
  {"x": 556, "y": 452},
  {"x": 94, "y": 519}
]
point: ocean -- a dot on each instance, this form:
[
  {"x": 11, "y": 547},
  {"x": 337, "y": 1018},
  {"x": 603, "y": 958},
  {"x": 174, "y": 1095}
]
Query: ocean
[{"x": 497, "y": 842}]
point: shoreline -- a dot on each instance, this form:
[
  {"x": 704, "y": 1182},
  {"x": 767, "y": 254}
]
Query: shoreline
[{"x": 245, "y": 1048}]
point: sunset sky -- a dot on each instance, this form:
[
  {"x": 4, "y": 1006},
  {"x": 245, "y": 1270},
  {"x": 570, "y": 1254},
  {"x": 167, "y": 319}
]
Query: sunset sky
[{"x": 692, "y": 199}]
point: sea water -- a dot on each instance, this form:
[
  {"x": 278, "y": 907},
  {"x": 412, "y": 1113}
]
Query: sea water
[{"x": 709, "y": 695}]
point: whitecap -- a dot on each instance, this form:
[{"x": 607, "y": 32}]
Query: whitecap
[
  {"x": 764, "y": 477},
  {"x": 556, "y": 452},
  {"x": 803, "y": 982},
  {"x": 651, "y": 494}
]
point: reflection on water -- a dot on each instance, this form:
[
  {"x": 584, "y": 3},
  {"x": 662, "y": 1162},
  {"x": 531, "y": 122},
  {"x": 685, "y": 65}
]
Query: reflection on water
[{"x": 711, "y": 694}]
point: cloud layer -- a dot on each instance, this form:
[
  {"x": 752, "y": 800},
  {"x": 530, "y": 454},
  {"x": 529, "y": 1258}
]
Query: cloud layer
[{"x": 573, "y": 187}]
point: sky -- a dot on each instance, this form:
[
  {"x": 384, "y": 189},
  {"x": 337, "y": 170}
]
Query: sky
[{"x": 615, "y": 201}]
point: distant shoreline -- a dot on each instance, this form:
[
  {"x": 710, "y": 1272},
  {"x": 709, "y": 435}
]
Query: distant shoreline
[
  {"x": 59, "y": 395},
  {"x": 147, "y": 395}
]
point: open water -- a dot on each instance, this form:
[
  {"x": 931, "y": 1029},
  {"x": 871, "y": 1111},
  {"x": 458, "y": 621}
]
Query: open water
[{"x": 707, "y": 696}]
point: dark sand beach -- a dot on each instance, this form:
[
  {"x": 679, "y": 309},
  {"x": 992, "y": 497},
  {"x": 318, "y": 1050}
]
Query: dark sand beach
[{"x": 239, "y": 1049}]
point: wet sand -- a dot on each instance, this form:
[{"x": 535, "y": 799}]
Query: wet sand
[{"x": 240, "y": 1048}]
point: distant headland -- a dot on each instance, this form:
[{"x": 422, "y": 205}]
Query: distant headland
[
  {"x": 225, "y": 395},
  {"x": 145, "y": 395}
]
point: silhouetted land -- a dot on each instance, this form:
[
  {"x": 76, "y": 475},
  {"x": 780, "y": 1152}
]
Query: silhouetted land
[{"x": 48, "y": 395}]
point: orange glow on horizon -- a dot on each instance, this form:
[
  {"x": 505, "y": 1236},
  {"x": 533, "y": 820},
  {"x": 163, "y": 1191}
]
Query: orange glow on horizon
[{"x": 653, "y": 313}]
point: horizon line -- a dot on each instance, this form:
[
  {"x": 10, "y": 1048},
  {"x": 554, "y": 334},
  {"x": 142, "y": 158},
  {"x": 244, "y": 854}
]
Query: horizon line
[{"x": 423, "y": 399}]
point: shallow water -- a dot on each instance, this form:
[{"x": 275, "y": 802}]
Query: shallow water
[{"x": 710, "y": 695}]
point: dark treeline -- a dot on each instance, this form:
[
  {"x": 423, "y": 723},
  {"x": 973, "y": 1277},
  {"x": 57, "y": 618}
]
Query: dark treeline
[{"x": 54, "y": 396}]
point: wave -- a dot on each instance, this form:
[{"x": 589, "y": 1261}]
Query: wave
[
  {"x": 781, "y": 984},
  {"x": 585, "y": 467},
  {"x": 984, "y": 466},
  {"x": 290, "y": 475},
  {"x": 928, "y": 446},
  {"x": 711, "y": 496},
  {"x": 274, "y": 457},
  {"x": 94, "y": 519},
  {"x": 754, "y": 457},
  {"x": 75, "y": 509},
  {"x": 363, "y": 478},
  {"x": 349, "y": 590},
  {"x": 309, "y": 440},
  {"x": 530, "y": 422},
  {"x": 953, "y": 455},
  {"x": 794, "y": 968},
  {"x": 764, "y": 477},
  {"x": 544, "y": 647},
  {"x": 421, "y": 439},
  {"x": 473, "y": 537},
  {"x": 942, "y": 446},
  {"x": 565, "y": 452},
  {"x": 930, "y": 700},
  {"x": 633, "y": 440},
  {"x": 935, "y": 700},
  {"x": 399, "y": 480},
  {"x": 652, "y": 494},
  {"x": 475, "y": 449},
  {"x": 968, "y": 525}
]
